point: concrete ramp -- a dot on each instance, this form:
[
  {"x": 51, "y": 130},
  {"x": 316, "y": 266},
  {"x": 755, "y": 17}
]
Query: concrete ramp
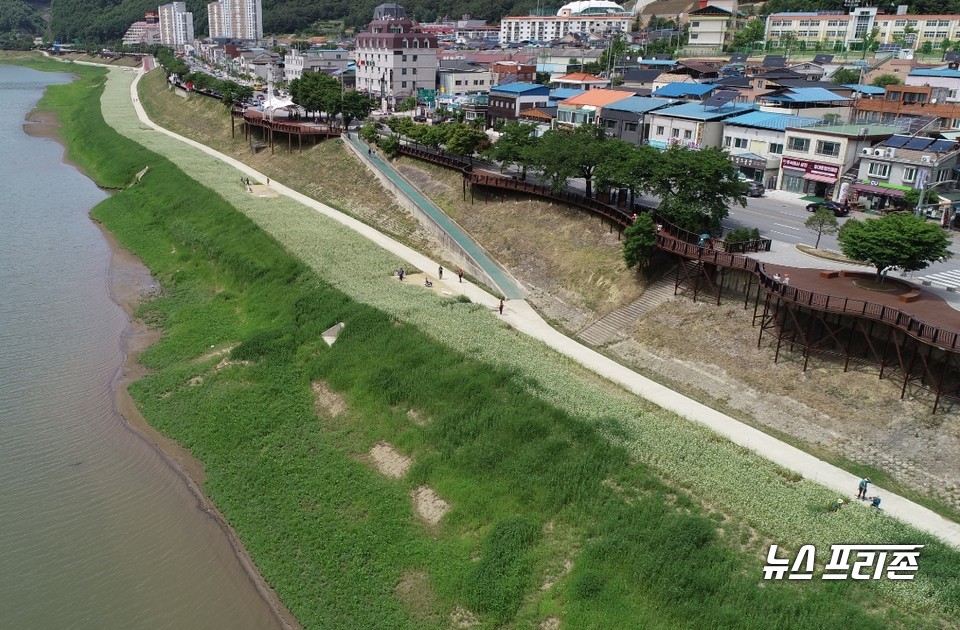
[{"x": 330, "y": 334}]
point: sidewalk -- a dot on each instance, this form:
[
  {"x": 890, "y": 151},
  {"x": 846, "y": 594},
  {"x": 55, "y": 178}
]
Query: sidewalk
[{"x": 523, "y": 318}]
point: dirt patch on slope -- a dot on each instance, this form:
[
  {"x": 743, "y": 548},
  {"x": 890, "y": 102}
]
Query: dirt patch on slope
[
  {"x": 415, "y": 592},
  {"x": 428, "y": 505},
  {"x": 326, "y": 401},
  {"x": 388, "y": 461}
]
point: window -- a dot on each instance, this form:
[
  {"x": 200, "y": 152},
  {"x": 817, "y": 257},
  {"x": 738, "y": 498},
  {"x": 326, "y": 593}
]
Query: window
[
  {"x": 694, "y": 35},
  {"x": 900, "y": 23},
  {"x": 404, "y": 71},
  {"x": 457, "y": 82},
  {"x": 694, "y": 24},
  {"x": 944, "y": 176},
  {"x": 629, "y": 126},
  {"x": 687, "y": 135},
  {"x": 610, "y": 124},
  {"x": 956, "y": 123},
  {"x": 828, "y": 148},
  {"x": 799, "y": 144},
  {"x": 727, "y": 141},
  {"x": 910, "y": 174},
  {"x": 414, "y": 71},
  {"x": 402, "y": 58},
  {"x": 403, "y": 84},
  {"x": 659, "y": 131},
  {"x": 740, "y": 143},
  {"x": 776, "y": 147},
  {"x": 879, "y": 169},
  {"x": 675, "y": 133},
  {"x": 414, "y": 57}
]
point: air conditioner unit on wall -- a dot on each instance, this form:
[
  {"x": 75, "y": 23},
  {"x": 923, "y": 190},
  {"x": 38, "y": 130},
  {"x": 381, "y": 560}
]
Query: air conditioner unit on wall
[
  {"x": 926, "y": 159},
  {"x": 878, "y": 151},
  {"x": 865, "y": 151},
  {"x": 889, "y": 153}
]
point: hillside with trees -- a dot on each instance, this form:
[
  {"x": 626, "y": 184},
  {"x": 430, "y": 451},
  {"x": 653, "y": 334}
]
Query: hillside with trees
[
  {"x": 107, "y": 20},
  {"x": 17, "y": 16}
]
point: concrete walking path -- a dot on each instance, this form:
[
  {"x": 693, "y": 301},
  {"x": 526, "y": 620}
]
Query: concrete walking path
[{"x": 523, "y": 318}]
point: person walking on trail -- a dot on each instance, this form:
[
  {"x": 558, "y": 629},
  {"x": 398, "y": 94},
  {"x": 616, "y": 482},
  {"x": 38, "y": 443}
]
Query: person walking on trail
[
  {"x": 400, "y": 273},
  {"x": 440, "y": 273},
  {"x": 460, "y": 273},
  {"x": 501, "y": 307},
  {"x": 785, "y": 280},
  {"x": 862, "y": 490},
  {"x": 268, "y": 181}
]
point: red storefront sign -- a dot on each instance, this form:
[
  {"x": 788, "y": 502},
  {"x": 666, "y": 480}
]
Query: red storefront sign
[{"x": 813, "y": 168}]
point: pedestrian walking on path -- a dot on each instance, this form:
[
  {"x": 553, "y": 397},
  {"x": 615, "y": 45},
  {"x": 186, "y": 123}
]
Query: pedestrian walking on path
[
  {"x": 501, "y": 307},
  {"x": 268, "y": 181},
  {"x": 400, "y": 273},
  {"x": 460, "y": 273},
  {"x": 786, "y": 279},
  {"x": 440, "y": 274},
  {"x": 862, "y": 490}
]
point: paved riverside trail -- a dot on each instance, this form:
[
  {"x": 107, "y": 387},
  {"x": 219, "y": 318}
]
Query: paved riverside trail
[{"x": 522, "y": 317}]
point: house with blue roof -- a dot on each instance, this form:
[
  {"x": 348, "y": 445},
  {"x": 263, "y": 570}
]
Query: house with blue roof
[
  {"x": 562, "y": 94},
  {"x": 693, "y": 125},
  {"x": 756, "y": 142},
  {"x": 625, "y": 119},
  {"x": 688, "y": 91},
  {"x": 806, "y": 101},
  {"x": 508, "y": 100}
]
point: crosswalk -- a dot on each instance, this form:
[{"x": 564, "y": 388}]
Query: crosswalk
[{"x": 943, "y": 279}]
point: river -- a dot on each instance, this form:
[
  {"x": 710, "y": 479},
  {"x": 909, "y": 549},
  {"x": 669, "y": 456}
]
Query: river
[{"x": 98, "y": 529}]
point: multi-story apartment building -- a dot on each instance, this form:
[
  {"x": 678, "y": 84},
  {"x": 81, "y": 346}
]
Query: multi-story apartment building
[
  {"x": 176, "y": 25},
  {"x": 600, "y": 17},
  {"x": 930, "y": 108},
  {"x": 507, "y": 101},
  {"x": 457, "y": 78},
  {"x": 756, "y": 142},
  {"x": 395, "y": 58},
  {"x": 691, "y": 124},
  {"x": 712, "y": 25},
  {"x": 215, "y": 21},
  {"x": 236, "y": 19},
  {"x": 851, "y": 29}
]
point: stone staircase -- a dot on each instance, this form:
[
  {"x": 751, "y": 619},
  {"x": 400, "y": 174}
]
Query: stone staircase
[{"x": 612, "y": 325}]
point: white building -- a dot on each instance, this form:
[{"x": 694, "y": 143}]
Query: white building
[
  {"x": 314, "y": 60},
  {"x": 215, "y": 20},
  {"x": 850, "y": 30},
  {"x": 145, "y": 31},
  {"x": 236, "y": 19},
  {"x": 712, "y": 26},
  {"x": 395, "y": 58},
  {"x": 598, "y": 17},
  {"x": 176, "y": 25}
]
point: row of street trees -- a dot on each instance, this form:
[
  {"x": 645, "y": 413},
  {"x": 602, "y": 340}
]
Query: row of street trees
[{"x": 321, "y": 93}]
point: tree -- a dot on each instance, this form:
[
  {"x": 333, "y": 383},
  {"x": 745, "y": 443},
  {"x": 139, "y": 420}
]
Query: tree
[
  {"x": 886, "y": 79},
  {"x": 871, "y": 41},
  {"x": 355, "y": 106},
  {"x": 846, "y": 76},
  {"x": 465, "y": 140},
  {"x": 750, "y": 34},
  {"x": 509, "y": 148},
  {"x": 696, "y": 186},
  {"x": 926, "y": 48},
  {"x": 612, "y": 54},
  {"x": 369, "y": 133},
  {"x": 823, "y": 221},
  {"x": 639, "y": 240},
  {"x": 895, "y": 240},
  {"x": 543, "y": 78},
  {"x": 407, "y": 104},
  {"x": 561, "y": 154},
  {"x": 316, "y": 92}
]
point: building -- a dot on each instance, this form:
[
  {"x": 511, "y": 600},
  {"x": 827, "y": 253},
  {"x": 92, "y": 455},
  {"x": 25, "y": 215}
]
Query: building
[
  {"x": 624, "y": 119},
  {"x": 584, "y": 108},
  {"x": 815, "y": 158},
  {"x": 236, "y": 19},
  {"x": 687, "y": 91},
  {"x": 315, "y": 60},
  {"x": 836, "y": 30},
  {"x": 456, "y": 78},
  {"x": 394, "y": 57},
  {"x": 145, "y": 31},
  {"x": 176, "y": 25},
  {"x": 803, "y": 101},
  {"x": 215, "y": 21},
  {"x": 712, "y": 26},
  {"x": 600, "y": 17},
  {"x": 903, "y": 103},
  {"x": 691, "y": 124},
  {"x": 756, "y": 141},
  {"x": 507, "y": 101},
  {"x": 510, "y": 71},
  {"x": 581, "y": 81},
  {"x": 901, "y": 163}
]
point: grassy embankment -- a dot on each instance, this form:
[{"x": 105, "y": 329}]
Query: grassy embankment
[{"x": 531, "y": 485}]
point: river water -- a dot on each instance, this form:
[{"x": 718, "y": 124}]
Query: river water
[{"x": 97, "y": 528}]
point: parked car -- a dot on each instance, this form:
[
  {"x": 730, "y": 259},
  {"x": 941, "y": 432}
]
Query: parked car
[
  {"x": 839, "y": 210},
  {"x": 420, "y": 119},
  {"x": 756, "y": 189}
]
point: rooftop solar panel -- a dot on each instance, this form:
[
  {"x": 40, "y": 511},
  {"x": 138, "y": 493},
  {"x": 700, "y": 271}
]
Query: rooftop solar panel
[
  {"x": 662, "y": 56},
  {"x": 823, "y": 59},
  {"x": 721, "y": 98},
  {"x": 774, "y": 61},
  {"x": 888, "y": 48},
  {"x": 895, "y": 142},
  {"x": 942, "y": 146},
  {"x": 738, "y": 58},
  {"x": 952, "y": 56},
  {"x": 918, "y": 144}
]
